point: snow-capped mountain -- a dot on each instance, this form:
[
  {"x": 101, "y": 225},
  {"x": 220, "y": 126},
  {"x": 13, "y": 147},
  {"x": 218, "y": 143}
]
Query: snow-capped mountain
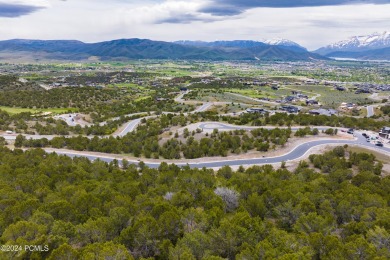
[
  {"x": 358, "y": 43},
  {"x": 284, "y": 43}
]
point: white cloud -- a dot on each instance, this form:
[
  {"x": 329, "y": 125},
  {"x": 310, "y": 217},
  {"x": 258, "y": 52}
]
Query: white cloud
[
  {"x": 157, "y": 12},
  {"x": 40, "y": 3}
]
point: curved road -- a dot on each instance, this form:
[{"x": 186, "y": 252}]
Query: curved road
[{"x": 298, "y": 152}]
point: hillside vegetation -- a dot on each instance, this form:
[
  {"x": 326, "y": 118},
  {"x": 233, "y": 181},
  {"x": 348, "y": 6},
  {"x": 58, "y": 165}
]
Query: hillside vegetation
[
  {"x": 12, "y": 83},
  {"x": 336, "y": 206}
]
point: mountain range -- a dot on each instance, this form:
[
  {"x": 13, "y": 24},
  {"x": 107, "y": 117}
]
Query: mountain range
[
  {"x": 366, "y": 47},
  {"x": 242, "y": 44},
  {"x": 375, "y": 46},
  {"x": 126, "y": 49}
]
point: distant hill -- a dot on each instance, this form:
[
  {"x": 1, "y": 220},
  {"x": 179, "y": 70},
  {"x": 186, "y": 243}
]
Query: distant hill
[
  {"x": 287, "y": 44},
  {"x": 370, "y": 47},
  {"x": 128, "y": 49},
  {"x": 224, "y": 44},
  {"x": 282, "y": 43},
  {"x": 378, "y": 54}
]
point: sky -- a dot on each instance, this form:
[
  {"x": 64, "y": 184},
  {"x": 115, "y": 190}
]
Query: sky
[{"x": 311, "y": 23}]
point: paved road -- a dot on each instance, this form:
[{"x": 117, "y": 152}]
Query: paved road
[
  {"x": 370, "y": 111},
  {"x": 203, "y": 107},
  {"x": 68, "y": 118},
  {"x": 130, "y": 127},
  {"x": 298, "y": 152},
  {"x": 118, "y": 117},
  {"x": 179, "y": 98}
]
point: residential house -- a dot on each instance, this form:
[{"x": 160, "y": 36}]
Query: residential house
[
  {"x": 256, "y": 110},
  {"x": 340, "y": 88},
  {"x": 311, "y": 102},
  {"x": 362, "y": 90},
  {"x": 385, "y": 132},
  {"x": 299, "y": 95},
  {"x": 322, "y": 111},
  {"x": 289, "y": 99},
  {"x": 290, "y": 109},
  {"x": 161, "y": 99},
  {"x": 347, "y": 106}
]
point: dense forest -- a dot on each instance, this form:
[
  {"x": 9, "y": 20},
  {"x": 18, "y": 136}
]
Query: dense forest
[{"x": 334, "y": 206}]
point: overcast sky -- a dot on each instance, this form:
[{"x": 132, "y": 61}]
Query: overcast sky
[{"x": 311, "y": 23}]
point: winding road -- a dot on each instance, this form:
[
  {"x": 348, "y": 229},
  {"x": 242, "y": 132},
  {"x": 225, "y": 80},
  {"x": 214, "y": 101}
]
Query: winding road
[{"x": 295, "y": 154}]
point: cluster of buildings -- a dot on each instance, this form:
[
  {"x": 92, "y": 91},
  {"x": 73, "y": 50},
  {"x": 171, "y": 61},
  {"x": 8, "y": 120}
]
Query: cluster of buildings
[
  {"x": 373, "y": 86},
  {"x": 296, "y": 96}
]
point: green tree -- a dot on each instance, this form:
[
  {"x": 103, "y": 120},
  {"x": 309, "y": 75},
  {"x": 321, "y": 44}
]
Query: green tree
[
  {"x": 64, "y": 252},
  {"x": 108, "y": 250},
  {"x": 20, "y": 140}
]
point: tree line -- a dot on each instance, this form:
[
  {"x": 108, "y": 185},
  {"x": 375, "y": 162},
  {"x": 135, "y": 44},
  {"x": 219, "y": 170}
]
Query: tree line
[
  {"x": 145, "y": 141},
  {"x": 284, "y": 119}
]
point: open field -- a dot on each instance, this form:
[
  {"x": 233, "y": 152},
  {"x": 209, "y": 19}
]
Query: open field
[
  {"x": 229, "y": 108},
  {"x": 256, "y": 92},
  {"x": 331, "y": 97},
  {"x": 142, "y": 98}
]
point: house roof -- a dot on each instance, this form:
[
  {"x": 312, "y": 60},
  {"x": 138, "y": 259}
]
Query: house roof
[{"x": 326, "y": 112}]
